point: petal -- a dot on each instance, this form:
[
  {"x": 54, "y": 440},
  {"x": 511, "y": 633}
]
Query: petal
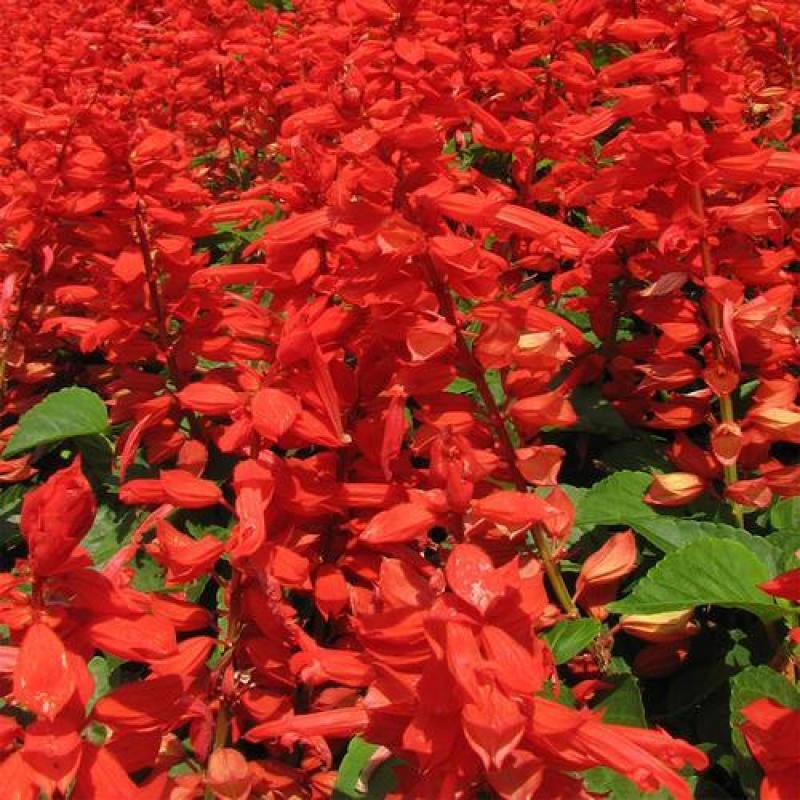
[{"x": 43, "y": 681}]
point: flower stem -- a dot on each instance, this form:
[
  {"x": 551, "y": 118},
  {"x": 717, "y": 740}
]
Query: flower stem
[
  {"x": 476, "y": 375},
  {"x": 714, "y": 312},
  {"x": 726, "y": 411},
  {"x": 151, "y": 276}
]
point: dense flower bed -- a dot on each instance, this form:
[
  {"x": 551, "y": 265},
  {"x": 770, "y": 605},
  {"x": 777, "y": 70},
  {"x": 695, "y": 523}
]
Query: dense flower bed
[{"x": 399, "y": 399}]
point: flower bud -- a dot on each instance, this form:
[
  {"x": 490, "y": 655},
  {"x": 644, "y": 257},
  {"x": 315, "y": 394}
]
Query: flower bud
[
  {"x": 781, "y": 423},
  {"x": 56, "y": 516},
  {"x": 675, "y": 489},
  {"x": 750, "y": 493},
  {"x": 540, "y": 465},
  {"x": 228, "y": 774},
  {"x": 603, "y": 571},
  {"x": 614, "y": 560},
  {"x": 669, "y": 626},
  {"x": 726, "y": 442}
]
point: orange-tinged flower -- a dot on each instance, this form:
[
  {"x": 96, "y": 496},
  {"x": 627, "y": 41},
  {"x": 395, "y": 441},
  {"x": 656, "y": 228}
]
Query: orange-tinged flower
[
  {"x": 338, "y": 723},
  {"x": 639, "y": 29},
  {"x": 614, "y": 560},
  {"x": 184, "y": 490},
  {"x": 675, "y": 489},
  {"x": 228, "y": 774},
  {"x": 544, "y": 410},
  {"x": 726, "y": 442},
  {"x": 603, "y": 571},
  {"x": 429, "y": 338},
  {"x": 331, "y": 591},
  {"x": 209, "y": 398},
  {"x": 402, "y": 523},
  {"x": 512, "y": 509},
  {"x": 273, "y": 412},
  {"x": 754, "y": 493},
  {"x": 184, "y": 557},
  {"x": 540, "y": 465},
  {"x": 667, "y": 626},
  {"x": 782, "y": 423}
]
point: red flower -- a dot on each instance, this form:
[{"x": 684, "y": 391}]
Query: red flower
[{"x": 55, "y": 517}]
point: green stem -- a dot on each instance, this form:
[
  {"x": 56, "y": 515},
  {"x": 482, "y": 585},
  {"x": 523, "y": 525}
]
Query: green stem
[{"x": 221, "y": 727}]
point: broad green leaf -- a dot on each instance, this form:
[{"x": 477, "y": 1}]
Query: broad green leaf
[
  {"x": 693, "y": 686},
  {"x": 616, "y": 500},
  {"x": 672, "y": 533},
  {"x": 785, "y": 514},
  {"x": 97, "y": 459},
  {"x": 613, "y": 786},
  {"x": 717, "y": 572},
  {"x": 623, "y": 706},
  {"x": 570, "y": 637},
  {"x": 751, "y": 684},
  {"x": 756, "y": 683},
  {"x": 787, "y": 542},
  {"x": 575, "y": 493},
  {"x": 353, "y": 764},
  {"x": 63, "y": 415}
]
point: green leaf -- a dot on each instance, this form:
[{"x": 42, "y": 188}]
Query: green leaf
[
  {"x": 100, "y": 670},
  {"x": 751, "y": 684},
  {"x": 107, "y": 533},
  {"x": 97, "y": 459},
  {"x": 495, "y": 384},
  {"x": 63, "y": 415},
  {"x": 616, "y": 500},
  {"x": 278, "y": 5},
  {"x": 756, "y": 683},
  {"x": 671, "y": 533},
  {"x": 623, "y": 706},
  {"x": 787, "y": 542},
  {"x": 148, "y": 575},
  {"x": 462, "y": 386},
  {"x": 785, "y": 514},
  {"x": 613, "y": 786},
  {"x": 10, "y": 504},
  {"x": 570, "y": 637},
  {"x": 353, "y": 764},
  {"x": 564, "y": 695},
  {"x": 717, "y": 572}
]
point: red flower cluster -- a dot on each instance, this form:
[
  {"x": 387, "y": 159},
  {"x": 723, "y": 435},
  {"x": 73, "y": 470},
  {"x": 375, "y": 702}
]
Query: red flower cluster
[{"x": 341, "y": 274}]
